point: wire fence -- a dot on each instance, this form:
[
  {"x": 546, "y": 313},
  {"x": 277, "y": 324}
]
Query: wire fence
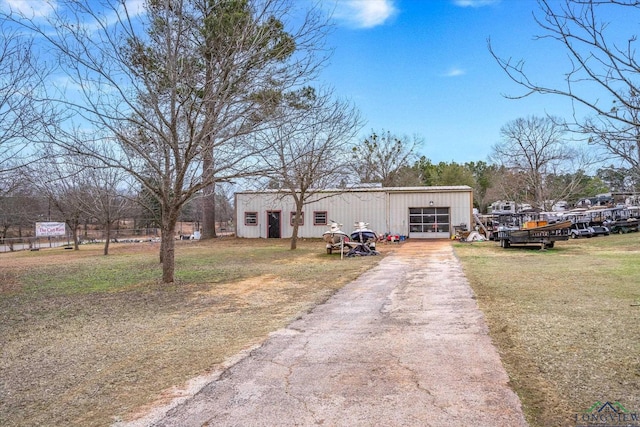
[
  {"x": 30, "y": 243},
  {"x": 184, "y": 231}
]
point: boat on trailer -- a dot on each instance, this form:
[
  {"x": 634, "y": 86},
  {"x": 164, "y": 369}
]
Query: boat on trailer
[
  {"x": 335, "y": 238},
  {"x": 362, "y": 241},
  {"x": 363, "y": 234}
]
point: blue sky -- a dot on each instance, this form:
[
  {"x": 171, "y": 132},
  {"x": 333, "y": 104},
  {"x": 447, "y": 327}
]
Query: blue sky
[{"x": 422, "y": 67}]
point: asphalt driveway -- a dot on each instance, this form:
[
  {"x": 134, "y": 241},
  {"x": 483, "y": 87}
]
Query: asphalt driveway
[{"x": 403, "y": 345}]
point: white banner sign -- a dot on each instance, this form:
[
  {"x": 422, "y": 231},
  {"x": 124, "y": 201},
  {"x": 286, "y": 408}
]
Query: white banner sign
[{"x": 46, "y": 229}]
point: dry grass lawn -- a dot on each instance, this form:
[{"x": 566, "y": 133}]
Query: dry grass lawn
[
  {"x": 566, "y": 321},
  {"x": 87, "y": 340}
]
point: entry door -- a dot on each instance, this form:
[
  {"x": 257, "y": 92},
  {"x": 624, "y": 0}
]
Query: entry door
[{"x": 273, "y": 221}]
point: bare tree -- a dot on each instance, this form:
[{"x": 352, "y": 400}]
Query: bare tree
[
  {"x": 178, "y": 113},
  {"x": 223, "y": 208},
  {"x": 22, "y": 112},
  {"x": 536, "y": 149},
  {"x": 619, "y": 138},
  {"x": 55, "y": 179},
  {"x": 307, "y": 150},
  {"x": 508, "y": 184},
  {"x": 602, "y": 71},
  {"x": 20, "y": 208},
  {"x": 79, "y": 189},
  {"x": 102, "y": 195},
  {"x": 385, "y": 158}
]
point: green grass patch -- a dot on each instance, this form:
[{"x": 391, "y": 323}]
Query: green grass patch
[{"x": 104, "y": 274}]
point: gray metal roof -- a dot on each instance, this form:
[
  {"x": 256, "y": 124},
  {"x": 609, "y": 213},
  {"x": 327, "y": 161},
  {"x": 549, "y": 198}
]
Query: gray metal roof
[{"x": 424, "y": 189}]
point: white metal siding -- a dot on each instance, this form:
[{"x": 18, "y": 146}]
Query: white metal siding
[
  {"x": 386, "y": 210},
  {"x": 459, "y": 204}
]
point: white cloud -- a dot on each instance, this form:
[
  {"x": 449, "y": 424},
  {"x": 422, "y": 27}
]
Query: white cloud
[
  {"x": 475, "y": 3},
  {"x": 364, "y": 13},
  {"x": 455, "y": 72},
  {"x": 30, "y": 8},
  {"x": 42, "y": 8},
  {"x": 135, "y": 7}
]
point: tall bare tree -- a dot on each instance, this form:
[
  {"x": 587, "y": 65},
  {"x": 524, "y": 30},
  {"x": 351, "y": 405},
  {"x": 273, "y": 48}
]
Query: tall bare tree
[
  {"x": 307, "y": 151},
  {"x": 618, "y": 137},
  {"x": 602, "y": 70},
  {"x": 535, "y": 149},
  {"x": 385, "y": 158},
  {"x": 150, "y": 85},
  {"x": 22, "y": 109}
]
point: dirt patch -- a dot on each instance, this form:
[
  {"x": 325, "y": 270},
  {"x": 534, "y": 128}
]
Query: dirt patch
[
  {"x": 9, "y": 282},
  {"x": 80, "y": 348}
]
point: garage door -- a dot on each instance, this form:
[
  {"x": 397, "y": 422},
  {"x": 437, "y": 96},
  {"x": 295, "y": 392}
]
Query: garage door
[{"x": 429, "y": 223}]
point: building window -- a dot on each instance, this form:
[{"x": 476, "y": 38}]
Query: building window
[
  {"x": 320, "y": 218},
  {"x": 251, "y": 218},
  {"x": 293, "y": 216}
]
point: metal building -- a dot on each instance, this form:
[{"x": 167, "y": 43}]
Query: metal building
[{"x": 415, "y": 212}]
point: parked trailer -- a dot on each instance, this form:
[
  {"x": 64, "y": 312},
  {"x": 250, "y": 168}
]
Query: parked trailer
[
  {"x": 545, "y": 235},
  {"x": 623, "y": 226}
]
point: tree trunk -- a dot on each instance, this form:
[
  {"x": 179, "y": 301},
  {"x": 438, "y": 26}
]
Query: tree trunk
[
  {"x": 76, "y": 245},
  {"x": 294, "y": 237},
  {"x": 209, "y": 199},
  {"x": 168, "y": 257},
  {"x": 73, "y": 225},
  {"x": 296, "y": 223},
  {"x": 168, "y": 244},
  {"x": 107, "y": 232}
]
